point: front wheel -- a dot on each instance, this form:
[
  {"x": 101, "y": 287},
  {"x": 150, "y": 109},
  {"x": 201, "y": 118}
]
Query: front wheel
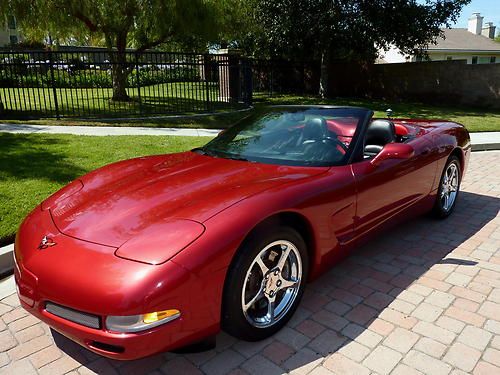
[
  {"x": 264, "y": 284},
  {"x": 449, "y": 188}
]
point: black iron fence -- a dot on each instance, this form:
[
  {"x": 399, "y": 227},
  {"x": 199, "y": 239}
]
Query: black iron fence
[{"x": 102, "y": 84}]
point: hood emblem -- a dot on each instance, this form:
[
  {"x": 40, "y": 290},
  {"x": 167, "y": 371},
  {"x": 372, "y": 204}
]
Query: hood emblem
[{"x": 46, "y": 242}]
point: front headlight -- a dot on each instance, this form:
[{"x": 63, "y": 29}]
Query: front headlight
[{"x": 136, "y": 323}]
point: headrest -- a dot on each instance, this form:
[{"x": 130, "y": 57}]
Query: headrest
[
  {"x": 315, "y": 129},
  {"x": 380, "y": 132}
]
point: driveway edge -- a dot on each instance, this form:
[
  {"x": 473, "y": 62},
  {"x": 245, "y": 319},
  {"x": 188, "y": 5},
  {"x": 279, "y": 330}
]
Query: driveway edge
[{"x": 6, "y": 259}]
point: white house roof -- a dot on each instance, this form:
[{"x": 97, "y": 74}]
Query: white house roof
[{"x": 463, "y": 40}]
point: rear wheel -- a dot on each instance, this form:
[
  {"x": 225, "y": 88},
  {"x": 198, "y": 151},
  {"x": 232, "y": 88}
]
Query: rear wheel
[
  {"x": 449, "y": 188},
  {"x": 264, "y": 284}
]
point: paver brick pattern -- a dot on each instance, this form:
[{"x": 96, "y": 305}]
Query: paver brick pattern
[{"x": 423, "y": 298}]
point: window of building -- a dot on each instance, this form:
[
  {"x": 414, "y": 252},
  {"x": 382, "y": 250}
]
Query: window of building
[
  {"x": 13, "y": 39},
  {"x": 493, "y": 59},
  {"x": 449, "y": 58},
  {"x": 11, "y": 22},
  {"x": 474, "y": 59}
]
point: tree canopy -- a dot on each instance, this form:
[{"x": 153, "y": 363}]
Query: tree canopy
[
  {"x": 118, "y": 24},
  {"x": 305, "y": 29},
  {"x": 349, "y": 29}
]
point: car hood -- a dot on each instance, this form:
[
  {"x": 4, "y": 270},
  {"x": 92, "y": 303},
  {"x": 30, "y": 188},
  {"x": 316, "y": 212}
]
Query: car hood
[{"x": 118, "y": 202}]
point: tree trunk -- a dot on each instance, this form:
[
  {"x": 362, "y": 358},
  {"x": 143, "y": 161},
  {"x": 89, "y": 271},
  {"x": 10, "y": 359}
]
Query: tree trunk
[
  {"x": 323, "y": 79},
  {"x": 119, "y": 67},
  {"x": 120, "y": 75}
]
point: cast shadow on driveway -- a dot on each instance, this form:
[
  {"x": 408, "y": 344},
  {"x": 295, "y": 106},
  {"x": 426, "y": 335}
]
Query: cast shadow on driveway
[{"x": 338, "y": 307}]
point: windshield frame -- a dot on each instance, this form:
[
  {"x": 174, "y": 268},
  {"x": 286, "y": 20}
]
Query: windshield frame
[{"x": 364, "y": 119}]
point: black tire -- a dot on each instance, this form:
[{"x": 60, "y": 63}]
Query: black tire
[
  {"x": 234, "y": 321},
  {"x": 439, "y": 211}
]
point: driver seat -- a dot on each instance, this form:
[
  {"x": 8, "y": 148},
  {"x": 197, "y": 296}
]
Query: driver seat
[
  {"x": 315, "y": 130},
  {"x": 378, "y": 134},
  {"x": 316, "y": 143}
]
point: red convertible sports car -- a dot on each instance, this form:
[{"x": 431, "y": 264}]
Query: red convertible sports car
[{"x": 159, "y": 252}]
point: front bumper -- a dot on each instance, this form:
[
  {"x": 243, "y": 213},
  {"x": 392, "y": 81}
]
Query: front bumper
[
  {"x": 89, "y": 278},
  {"x": 122, "y": 346}
]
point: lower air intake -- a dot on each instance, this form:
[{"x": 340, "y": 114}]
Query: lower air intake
[{"x": 85, "y": 319}]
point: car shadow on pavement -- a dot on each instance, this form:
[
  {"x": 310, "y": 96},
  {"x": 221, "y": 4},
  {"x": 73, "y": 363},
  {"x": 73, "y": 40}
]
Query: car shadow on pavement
[{"x": 351, "y": 308}]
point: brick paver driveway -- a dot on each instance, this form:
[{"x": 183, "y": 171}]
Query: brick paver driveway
[{"x": 425, "y": 298}]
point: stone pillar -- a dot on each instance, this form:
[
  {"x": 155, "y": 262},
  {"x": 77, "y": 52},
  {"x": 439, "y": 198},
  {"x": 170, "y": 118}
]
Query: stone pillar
[{"x": 229, "y": 75}]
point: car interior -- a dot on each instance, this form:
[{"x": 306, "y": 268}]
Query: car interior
[
  {"x": 378, "y": 134},
  {"x": 318, "y": 142},
  {"x": 310, "y": 137},
  {"x": 320, "y": 134}
]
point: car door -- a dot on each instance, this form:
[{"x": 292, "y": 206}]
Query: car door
[{"x": 391, "y": 186}]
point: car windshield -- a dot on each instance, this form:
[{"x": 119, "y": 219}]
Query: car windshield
[{"x": 291, "y": 136}]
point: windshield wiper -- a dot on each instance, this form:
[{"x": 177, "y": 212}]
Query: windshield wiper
[
  {"x": 237, "y": 157},
  {"x": 204, "y": 151},
  {"x": 199, "y": 150},
  {"x": 225, "y": 155}
]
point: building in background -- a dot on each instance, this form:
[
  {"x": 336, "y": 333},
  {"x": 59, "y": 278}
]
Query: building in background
[
  {"x": 475, "y": 44},
  {"x": 9, "y": 32}
]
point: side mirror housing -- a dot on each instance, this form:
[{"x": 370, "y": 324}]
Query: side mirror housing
[{"x": 393, "y": 151}]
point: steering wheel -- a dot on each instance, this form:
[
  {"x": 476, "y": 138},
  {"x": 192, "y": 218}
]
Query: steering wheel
[{"x": 337, "y": 142}]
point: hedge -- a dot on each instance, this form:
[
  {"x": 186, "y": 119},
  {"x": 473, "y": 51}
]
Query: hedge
[{"x": 40, "y": 78}]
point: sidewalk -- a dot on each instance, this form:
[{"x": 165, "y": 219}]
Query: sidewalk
[
  {"x": 106, "y": 130},
  {"x": 480, "y": 141},
  {"x": 485, "y": 141}
]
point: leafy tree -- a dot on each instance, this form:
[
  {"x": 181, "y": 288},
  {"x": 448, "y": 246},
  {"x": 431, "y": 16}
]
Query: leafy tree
[
  {"x": 119, "y": 24},
  {"x": 350, "y": 29}
]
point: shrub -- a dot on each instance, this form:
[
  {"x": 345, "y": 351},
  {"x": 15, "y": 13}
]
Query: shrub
[
  {"x": 79, "y": 78},
  {"x": 153, "y": 75}
]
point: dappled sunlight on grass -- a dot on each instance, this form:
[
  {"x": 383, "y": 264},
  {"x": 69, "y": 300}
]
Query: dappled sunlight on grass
[
  {"x": 34, "y": 166},
  {"x": 473, "y": 118}
]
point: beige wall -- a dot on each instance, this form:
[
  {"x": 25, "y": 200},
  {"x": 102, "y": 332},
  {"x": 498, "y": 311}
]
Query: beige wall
[
  {"x": 5, "y": 33},
  {"x": 483, "y": 58},
  {"x": 435, "y": 82}
]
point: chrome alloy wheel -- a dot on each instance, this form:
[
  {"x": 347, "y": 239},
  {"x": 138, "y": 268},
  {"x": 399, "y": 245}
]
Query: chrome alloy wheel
[
  {"x": 271, "y": 284},
  {"x": 449, "y": 187}
]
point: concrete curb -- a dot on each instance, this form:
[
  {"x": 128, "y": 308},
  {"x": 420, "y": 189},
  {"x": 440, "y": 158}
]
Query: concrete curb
[
  {"x": 486, "y": 147},
  {"x": 7, "y": 287},
  {"x": 485, "y": 141},
  {"x": 6, "y": 259}
]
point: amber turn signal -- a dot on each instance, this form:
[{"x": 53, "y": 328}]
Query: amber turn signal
[{"x": 159, "y": 315}]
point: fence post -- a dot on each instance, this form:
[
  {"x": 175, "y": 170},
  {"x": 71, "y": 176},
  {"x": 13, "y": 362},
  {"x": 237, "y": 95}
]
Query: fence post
[
  {"x": 271, "y": 80},
  {"x": 53, "y": 82},
  {"x": 206, "y": 71},
  {"x": 248, "y": 79},
  {"x": 138, "y": 82}
]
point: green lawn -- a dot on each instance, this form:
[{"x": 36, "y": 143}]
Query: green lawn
[
  {"x": 34, "y": 166},
  {"x": 175, "y": 97},
  {"x": 474, "y": 119}
]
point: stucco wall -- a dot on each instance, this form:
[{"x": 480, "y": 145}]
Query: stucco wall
[
  {"x": 4, "y": 38},
  {"x": 435, "y": 82},
  {"x": 483, "y": 58}
]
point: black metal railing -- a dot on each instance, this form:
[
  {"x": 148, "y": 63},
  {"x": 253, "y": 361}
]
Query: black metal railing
[{"x": 97, "y": 83}]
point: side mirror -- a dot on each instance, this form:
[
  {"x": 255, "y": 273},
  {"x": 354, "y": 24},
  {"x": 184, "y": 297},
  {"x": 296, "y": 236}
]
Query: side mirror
[{"x": 393, "y": 151}]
